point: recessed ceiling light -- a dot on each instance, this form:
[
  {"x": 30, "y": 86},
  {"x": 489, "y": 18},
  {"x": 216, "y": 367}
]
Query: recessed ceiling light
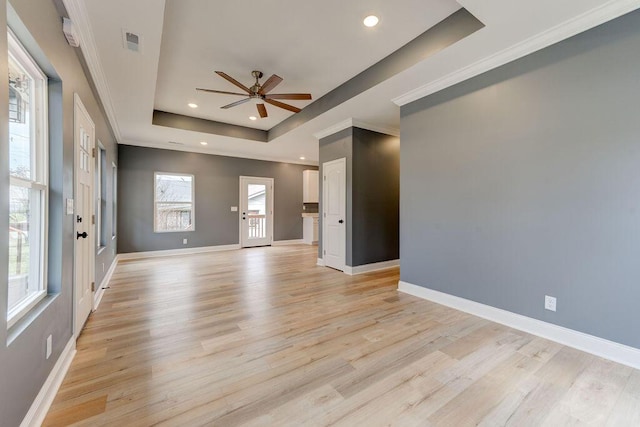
[
  {"x": 371, "y": 21},
  {"x": 192, "y": 105},
  {"x": 253, "y": 118},
  {"x": 204, "y": 143},
  {"x": 302, "y": 157}
]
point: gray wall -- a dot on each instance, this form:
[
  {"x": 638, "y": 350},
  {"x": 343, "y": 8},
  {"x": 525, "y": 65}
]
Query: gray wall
[
  {"x": 22, "y": 348},
  {"x": 376, "y": 197},
  {"x": 217, "y": 187},
  {"x": 525, "y": 182},
  {"x": 373, "y": 186}
]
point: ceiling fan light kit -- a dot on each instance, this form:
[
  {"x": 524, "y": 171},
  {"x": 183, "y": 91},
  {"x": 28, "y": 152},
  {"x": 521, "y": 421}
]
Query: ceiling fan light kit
[{"x": 259, "y": 93}]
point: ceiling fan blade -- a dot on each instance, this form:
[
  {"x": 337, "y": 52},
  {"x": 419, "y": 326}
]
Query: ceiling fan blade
[
  {"x": 233, "y": 104},
  {"x": 271, "y": 82},
  {"x": 288, "y": 96},
  {"x": 283, "y": 105},
  {"x": 262, "y": 110},
  {"x": 220, "y": 91},
  {"x": 233, "y": 81}
]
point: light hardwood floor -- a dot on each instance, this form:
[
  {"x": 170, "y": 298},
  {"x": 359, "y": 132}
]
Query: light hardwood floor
[{"x": 264, "y": 337}]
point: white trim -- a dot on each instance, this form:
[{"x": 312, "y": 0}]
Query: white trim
[
  {"x": 171, "y": 252},
  {"x": 619, "y": 353},
  {"x": 40, "y": 406},
  {"x": 564, "y": 30},
  {"x": 343, "y": 163},
  {"x": 244, "y": 206},
  {"x": 79, "y": 16},
  {"x": 320, "y": 262},
  {"x": 191, "y": 202},
  {"x": 287, "y": 242},
  {"x": 105, "y": 282},
  {"x": 376, "y": 266},
  {"x": 346, "y": 124}
]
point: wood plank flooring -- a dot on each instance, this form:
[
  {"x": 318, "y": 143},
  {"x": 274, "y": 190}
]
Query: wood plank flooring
[{"x": 264, "y": 337}]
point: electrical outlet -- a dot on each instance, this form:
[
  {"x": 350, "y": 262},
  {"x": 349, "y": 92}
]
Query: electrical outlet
[
  {"x": 49, "y": 346},
  {"x": 549, "y": 303},
  {"x": 184, "y": 241}
]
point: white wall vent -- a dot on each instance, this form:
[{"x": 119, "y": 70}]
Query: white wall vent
[
  {"x": 132, "y": 41},
  {"x": 176, "y": 143},
  {"x": 70, "y": 32}
]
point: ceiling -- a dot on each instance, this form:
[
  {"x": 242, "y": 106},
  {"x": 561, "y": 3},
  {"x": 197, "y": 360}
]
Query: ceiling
[{"x": 315, "y": 49}]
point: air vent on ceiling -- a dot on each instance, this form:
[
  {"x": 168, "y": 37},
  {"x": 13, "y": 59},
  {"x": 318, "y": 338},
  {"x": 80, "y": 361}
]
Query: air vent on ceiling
[
  {"x": 175, "y": 143},
  {"x": 132, "y": 41}
]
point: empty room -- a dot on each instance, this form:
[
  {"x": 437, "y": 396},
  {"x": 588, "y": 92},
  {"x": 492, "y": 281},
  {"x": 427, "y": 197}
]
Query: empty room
[{"x": 362, "y": 213}]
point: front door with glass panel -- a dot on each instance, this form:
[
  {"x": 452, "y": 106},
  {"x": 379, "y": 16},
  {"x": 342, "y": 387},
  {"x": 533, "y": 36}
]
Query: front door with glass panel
[{"x": 256, "y": 211}]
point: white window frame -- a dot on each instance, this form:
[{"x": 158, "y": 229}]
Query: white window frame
[
  {"x": 155, "y": 202},
  {"x": 100, "y": 221},
  {"x": 39, "y": 172}
]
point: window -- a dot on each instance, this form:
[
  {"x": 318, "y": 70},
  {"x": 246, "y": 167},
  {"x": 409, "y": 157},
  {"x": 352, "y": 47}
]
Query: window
[
  {"x": 28, "y": 149},
  {"x": 101, "y": 193},
  {"x": 114, "y": 198},
  {"x": 173, "y": 200}
]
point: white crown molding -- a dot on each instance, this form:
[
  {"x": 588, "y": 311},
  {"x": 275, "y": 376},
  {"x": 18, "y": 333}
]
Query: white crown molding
[
  {"x": 172, "y": 252},
  {"x": 214, "y": 152},
  {"x": 571, "y": 27},
  {"x": 619, "y": 353},
  {"x": 80, "y": 18},
  {"x": 40, "y": 406},
  {"x": 367, "y": 268},
  {"x": 346, "y": 124}
]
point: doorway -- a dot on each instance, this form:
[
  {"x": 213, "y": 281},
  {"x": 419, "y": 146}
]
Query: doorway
[
  {"x": 256, "y": 211},
  {"x": 334, "y": 190},
  {"x": 84, "y": 247}
]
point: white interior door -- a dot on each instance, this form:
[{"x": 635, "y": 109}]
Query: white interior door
[
  {"x": 334, "y": 201},
  {"x": 84, "y": 264},
  {"x": 256, "y": 211}
]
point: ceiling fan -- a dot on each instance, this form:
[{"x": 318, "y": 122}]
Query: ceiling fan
[{"x": 259, "y": 92}]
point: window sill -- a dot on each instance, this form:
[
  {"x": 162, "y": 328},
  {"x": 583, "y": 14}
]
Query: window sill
[
  {"x": 22, "y": 323},
  {"x": 23, "y": 308},
  {"x": 101, "y": 249}
]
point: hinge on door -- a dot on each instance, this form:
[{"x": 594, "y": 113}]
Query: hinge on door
[
  {"x": 93, "y": 153},
  {"x": 324, "y": 252},
  {"x": 93, "y": 220},
  {"x": 93, "y": 286},
  {"x": 325, "y": 177}
]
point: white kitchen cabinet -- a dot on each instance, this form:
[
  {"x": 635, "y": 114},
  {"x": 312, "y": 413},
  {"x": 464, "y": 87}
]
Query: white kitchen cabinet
[
  {"x": 310, "y": 228},
  {"x": 309, "y": 186}
]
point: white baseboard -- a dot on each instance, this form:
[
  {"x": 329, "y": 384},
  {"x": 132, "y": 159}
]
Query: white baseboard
[
  {"x": 287, "y": 242},
  {"x": 320, "y": 262},
  {"x": 360, "y": 269},
  {"x": 171, "y": 252},
  {"x": 614, "y": 351},
  {"x": 44, "y": 399},
  {"x": 105, "y": 282}
]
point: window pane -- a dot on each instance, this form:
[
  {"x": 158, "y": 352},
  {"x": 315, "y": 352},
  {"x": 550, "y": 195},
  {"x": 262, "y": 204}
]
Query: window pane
[
  {"x": 173, "y": 188},
  {"x": 20, "y": 126},
  {"x": 174, "y": 216},
  {"x": 23, "y": 256}
]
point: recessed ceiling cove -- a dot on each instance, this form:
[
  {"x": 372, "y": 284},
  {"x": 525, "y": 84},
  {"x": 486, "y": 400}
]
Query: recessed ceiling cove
[{"x": 314, "y": 47}]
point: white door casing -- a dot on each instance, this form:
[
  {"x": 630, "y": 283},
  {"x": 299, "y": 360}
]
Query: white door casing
[
  {"x": 334, "y": 201},
  {"x": 256, "y": 211},
  {"x": 84, "y": 248}
]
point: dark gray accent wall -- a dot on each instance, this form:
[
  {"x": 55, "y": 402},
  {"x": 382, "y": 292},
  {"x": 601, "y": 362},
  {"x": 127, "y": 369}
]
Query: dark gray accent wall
[
  {"x": 376, "y": 197},
  {"x": 523, "y": 182},
  {"x": 372, "y": 196},
  {"x": 22, "y": 347},
  {"x": 217, "y": 187}
]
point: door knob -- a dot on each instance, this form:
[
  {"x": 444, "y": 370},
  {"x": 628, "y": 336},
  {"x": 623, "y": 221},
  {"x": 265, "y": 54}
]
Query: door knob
[
  {"x": 79, "y": 235},
  {"x": 340, "y": 222}
]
